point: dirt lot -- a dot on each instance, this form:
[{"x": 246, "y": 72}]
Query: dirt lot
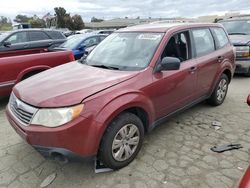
[{"x": 176, "y": 154}]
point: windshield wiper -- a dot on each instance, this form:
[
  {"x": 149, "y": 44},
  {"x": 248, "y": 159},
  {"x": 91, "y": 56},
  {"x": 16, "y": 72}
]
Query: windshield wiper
[
  {"x": 237, "y": 33},
  {"x": 105, "y": 67}
]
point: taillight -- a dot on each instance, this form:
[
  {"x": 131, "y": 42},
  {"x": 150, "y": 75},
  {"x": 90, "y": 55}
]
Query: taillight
[{"x": 72, "y": 57}]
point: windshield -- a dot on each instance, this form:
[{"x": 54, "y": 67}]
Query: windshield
[
  {"x": 237, "y": 27},
  {"x": 72, "y": 42},
  {"x": 125, "y": 51}
]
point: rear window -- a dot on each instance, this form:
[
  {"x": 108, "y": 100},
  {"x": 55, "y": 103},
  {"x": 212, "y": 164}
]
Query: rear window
[
  {"x": 38, "y": 35},
  {"x": 55, "y": 35},
  {"x": 204, "y": 42},
  {"x": 221, "y": 37}
]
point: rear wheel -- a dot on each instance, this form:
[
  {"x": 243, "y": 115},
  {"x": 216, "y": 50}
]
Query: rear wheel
[
  {"x": 122, "y": 141},
  {"x": 219, "y": 94}
]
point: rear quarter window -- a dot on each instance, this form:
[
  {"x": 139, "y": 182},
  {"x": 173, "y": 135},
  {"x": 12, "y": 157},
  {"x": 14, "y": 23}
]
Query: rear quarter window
[
  {"x": 203, "y": 41},
  {"x": 221, "y": 37},
  {"x": 55, "y": 35}
]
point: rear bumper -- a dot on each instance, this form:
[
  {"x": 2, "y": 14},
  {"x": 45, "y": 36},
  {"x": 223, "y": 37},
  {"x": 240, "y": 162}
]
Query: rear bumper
[
  {"x": 242, "y": 66},
  {"x": 80, "y": 137}
]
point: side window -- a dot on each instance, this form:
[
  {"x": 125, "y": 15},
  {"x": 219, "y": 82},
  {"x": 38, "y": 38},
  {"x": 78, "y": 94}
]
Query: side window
[
  {"x": 221, "y": 37},
  {"x": 37, "y": 35},
  {"x": 178, "y": 46},
  {"x": 55, "y": 35},
  {"x": 16, "y": 38},
  {"x": 204, "y": 42},
  {"x": 90, "y": 42}
]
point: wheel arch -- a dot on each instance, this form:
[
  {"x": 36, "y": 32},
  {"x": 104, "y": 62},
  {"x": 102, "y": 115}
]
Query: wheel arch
[
  {"x": 31, "y": 71},
  {"x": 141, "y": 106}
]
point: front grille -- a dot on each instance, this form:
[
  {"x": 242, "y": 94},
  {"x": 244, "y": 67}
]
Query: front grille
[{"x": 22, "y": 111}]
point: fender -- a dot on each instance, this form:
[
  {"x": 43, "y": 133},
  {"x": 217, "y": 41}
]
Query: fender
[
  {"x": 117, "y": 106},
  {"x": 225, "y": 65},
  {"x": 31, "y": 69}
]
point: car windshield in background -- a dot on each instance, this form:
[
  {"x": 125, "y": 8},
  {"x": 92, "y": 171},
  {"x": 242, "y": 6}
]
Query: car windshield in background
[
  {"x": 237, "y": 27},
  {"x": 125, "y": 51},
  {"x": 72, "y": 42}
]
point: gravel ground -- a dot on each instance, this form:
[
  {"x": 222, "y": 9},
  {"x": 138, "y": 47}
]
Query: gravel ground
[{"x": 175, "y": 154}]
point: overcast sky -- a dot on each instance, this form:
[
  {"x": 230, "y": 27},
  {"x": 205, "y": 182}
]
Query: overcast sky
[{"x": 120, "y": 8}]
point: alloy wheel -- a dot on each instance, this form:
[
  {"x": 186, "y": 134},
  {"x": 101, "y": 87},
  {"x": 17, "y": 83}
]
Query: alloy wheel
[
  {"x": 222, "y": 90},
  {"x": 125, "y": 142}
]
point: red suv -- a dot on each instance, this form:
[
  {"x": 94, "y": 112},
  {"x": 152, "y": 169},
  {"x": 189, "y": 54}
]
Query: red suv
[{"x": 132, "y": 81}]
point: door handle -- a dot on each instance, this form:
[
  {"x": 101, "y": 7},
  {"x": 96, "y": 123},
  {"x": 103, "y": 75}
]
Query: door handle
[
  {"x": 220, "y": 59},
  {"x": 192, "y": 70},
  {"x": 25, "y": 46}
]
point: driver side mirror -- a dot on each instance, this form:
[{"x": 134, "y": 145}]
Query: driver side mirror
[
  {"x": 81, "y": 47},
  {"x": 168, "y": 63},
  {"x": 6, "y": 44},
  {"x": 248, "y": 100}
]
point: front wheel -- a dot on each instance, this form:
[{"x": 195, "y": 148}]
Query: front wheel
[
  {"x": 219, "y": 94},
  {"x": 122, "y": 141}
]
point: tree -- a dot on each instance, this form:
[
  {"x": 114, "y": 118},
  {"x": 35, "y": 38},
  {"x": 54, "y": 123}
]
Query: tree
[
  {"x": 61, "y": 15},
  {"x": 77, "y": 22},
  {"x": 64, "y": 20},
  {"x": 94, "y": 19},
  {"x": 3, "y": 20},
  {"x": 22, "y": 18},
  {"x": 37, "y": 23}
]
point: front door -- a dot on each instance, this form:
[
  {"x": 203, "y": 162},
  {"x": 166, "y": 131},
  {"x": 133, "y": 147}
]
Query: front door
[{"x": 175, "y": 89}]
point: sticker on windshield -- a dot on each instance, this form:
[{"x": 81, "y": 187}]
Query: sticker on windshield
[{"x": 148, "y": 36}]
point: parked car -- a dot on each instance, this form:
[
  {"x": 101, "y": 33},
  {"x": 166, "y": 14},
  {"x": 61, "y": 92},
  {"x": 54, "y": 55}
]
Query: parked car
[
  {"x": 131, "y": 82},
  {"x": 238, "y": 29},
  {"x": 29, "y": 41},
  {"x": 84, "y": 31},
  {"x": 17, "y": 68},
  {"x": 21, "y": 26},
  {"x": 81, "y": 43},
  {"x": 107, "y": 31},
  {"x": 248, "y": 100}
]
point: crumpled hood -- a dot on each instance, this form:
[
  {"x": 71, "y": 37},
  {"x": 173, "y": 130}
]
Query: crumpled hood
[
  {"x": 240, "y": 39},
  {"x": 68, "y": 84}
]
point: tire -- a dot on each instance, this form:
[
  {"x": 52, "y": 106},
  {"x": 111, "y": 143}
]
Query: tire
[
  {"x": 119, "y": 130},
  {"x": 220, "y": 92}
]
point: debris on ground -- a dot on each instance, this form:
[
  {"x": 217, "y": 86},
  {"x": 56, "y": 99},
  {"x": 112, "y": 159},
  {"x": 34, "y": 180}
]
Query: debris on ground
[
  {"x": 225, "y": 147},
  {"x": 47, "y": 181},
  {"x": 217, "y": 125},
  {"x": 240, "y": 168},
  {"x": 100, "y": 167}
]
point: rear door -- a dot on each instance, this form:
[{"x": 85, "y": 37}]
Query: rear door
[
  {"x": 39, "y": 40},
  {"x": 206, "y": 57}
]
